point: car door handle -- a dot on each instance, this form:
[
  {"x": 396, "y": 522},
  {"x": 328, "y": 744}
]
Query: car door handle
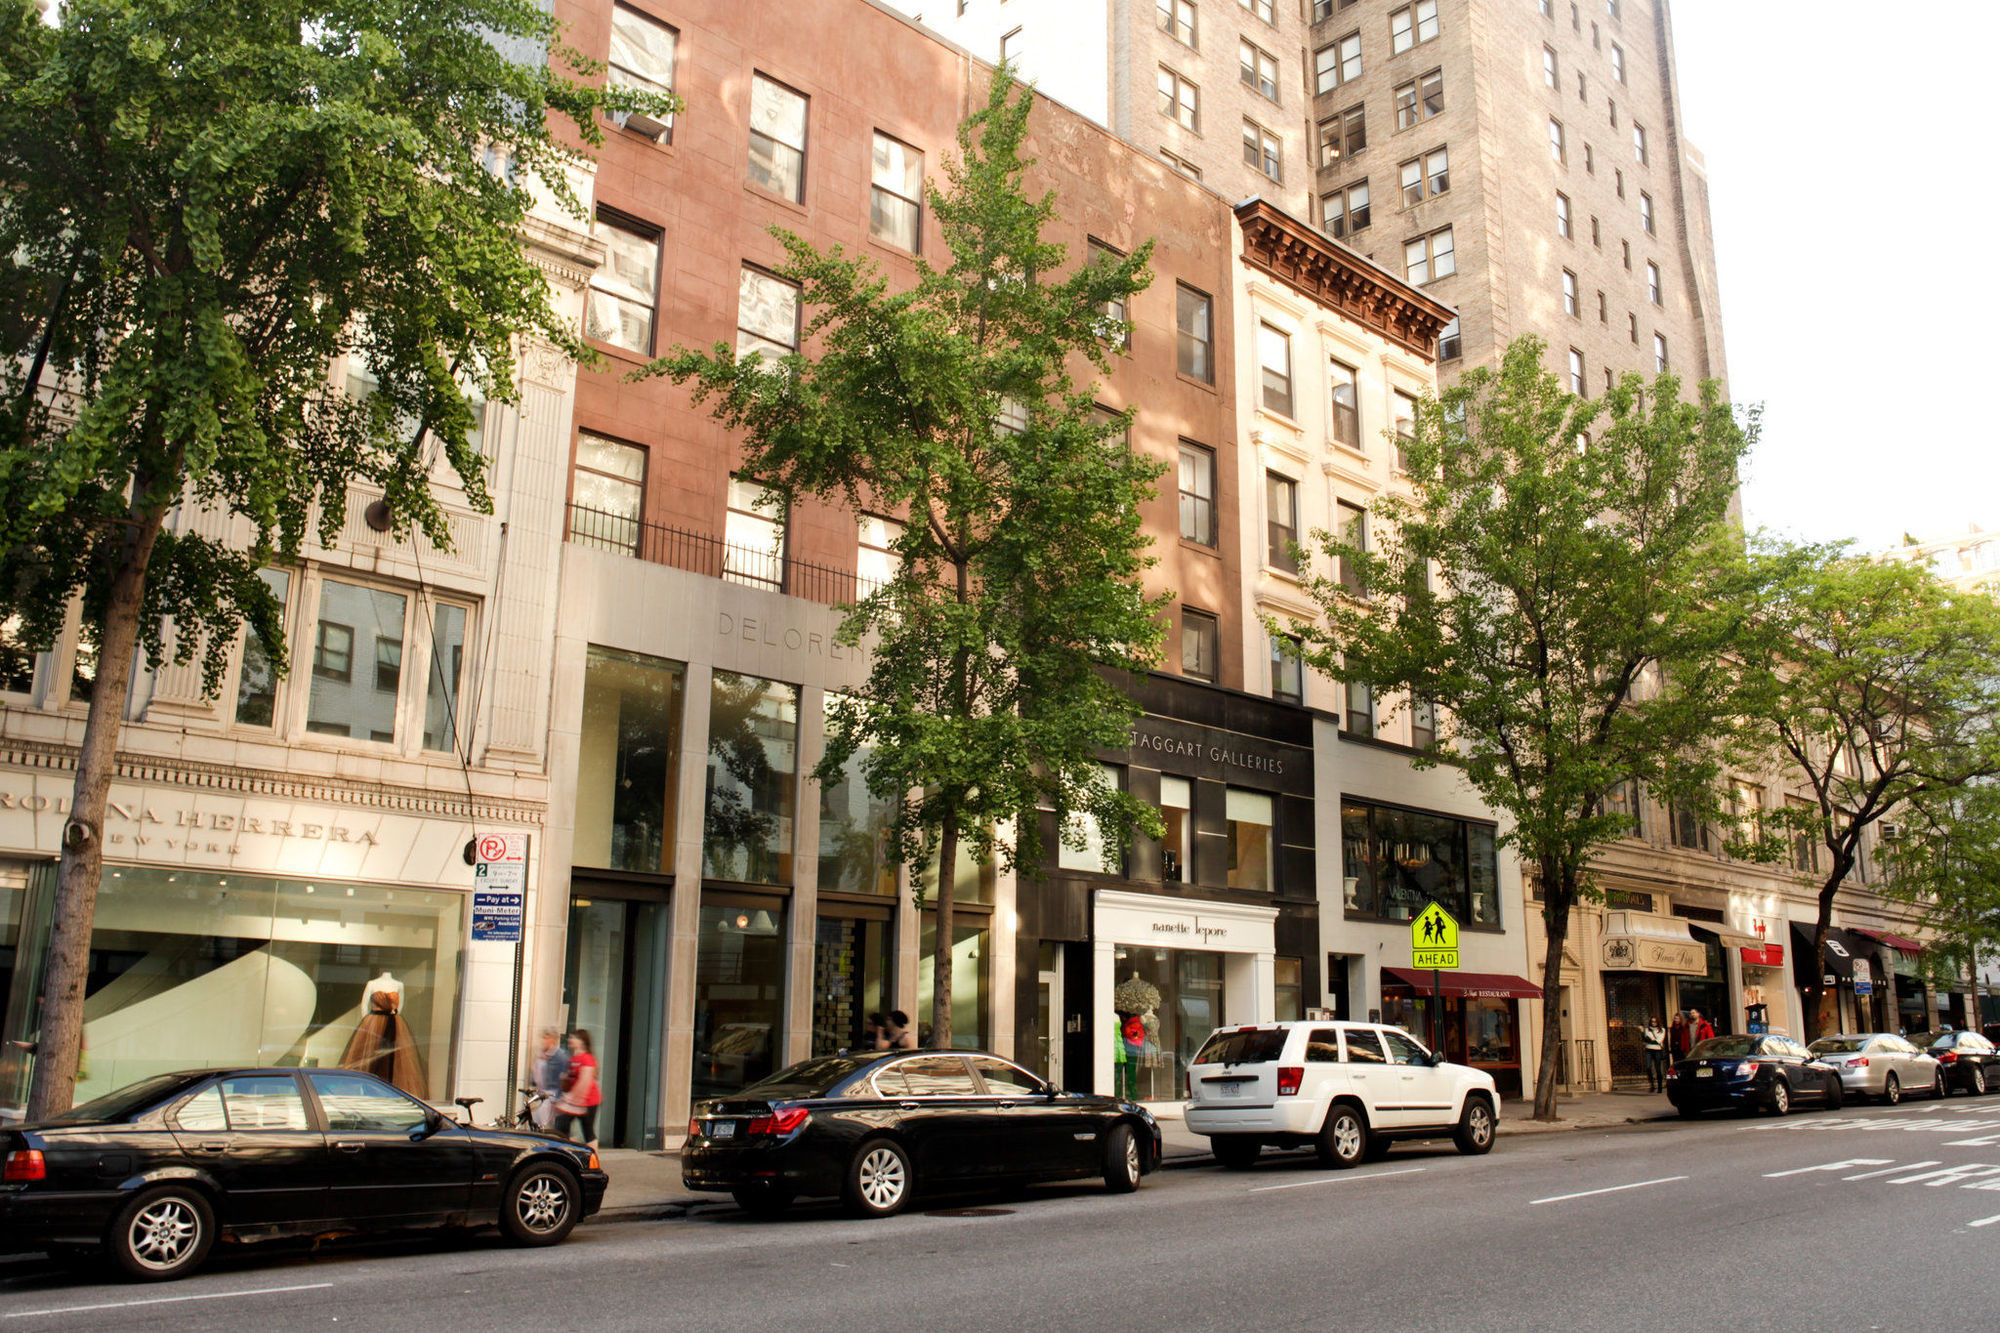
[
  {"x": 350, "y": 1145},
  {"x": 1006, "y": 1106},
  {"x": 906, "y": 1106},
  {"x": 213, "y": 1145}
]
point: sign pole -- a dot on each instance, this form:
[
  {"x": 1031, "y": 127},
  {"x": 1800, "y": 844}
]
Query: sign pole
[{"x": 1437, "y": 1010}]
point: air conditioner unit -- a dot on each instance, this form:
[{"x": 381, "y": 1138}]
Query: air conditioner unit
[{"x": 640, "y": 121}]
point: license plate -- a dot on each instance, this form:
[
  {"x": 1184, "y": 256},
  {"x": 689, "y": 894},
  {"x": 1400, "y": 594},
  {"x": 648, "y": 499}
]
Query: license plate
[
  {"x": 1232, "y": 1089},
  {"x": 1704, "y": 1073},
  {"x": 722, "y": 1129}
]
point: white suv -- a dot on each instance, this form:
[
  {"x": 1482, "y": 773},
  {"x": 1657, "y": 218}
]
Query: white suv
[{"x": 1346, "y": 1089}]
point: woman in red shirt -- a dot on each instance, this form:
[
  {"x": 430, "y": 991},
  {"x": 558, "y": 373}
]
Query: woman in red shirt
[{"x": 581, "y": 1090}]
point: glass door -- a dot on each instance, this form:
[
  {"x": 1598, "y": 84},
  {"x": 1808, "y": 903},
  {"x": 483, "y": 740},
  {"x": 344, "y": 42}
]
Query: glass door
[
  {"x": 615, "y": 990},
  {"x": 854, "y": 971}
]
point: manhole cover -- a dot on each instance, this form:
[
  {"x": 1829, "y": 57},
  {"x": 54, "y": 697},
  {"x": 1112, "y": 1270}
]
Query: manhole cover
[{"x": 971, "y": 1212}]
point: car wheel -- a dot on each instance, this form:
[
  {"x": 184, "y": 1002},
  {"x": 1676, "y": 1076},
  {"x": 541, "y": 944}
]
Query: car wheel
[
  {"x": 1122, "y": 1167},
  {"x": 540, "y": 1205},
  {"x": 1343, "y": 1139},
  {"x": 1939, "y": 1088},
  {"x": 1689, "y": 1112},
  {"x": 879, "y": 1180},
  {"x": 1236, "y": 1152},
  {"x": 762, "y": 1200},
  {"x": 1892, "y": 1090},
  {"x": 1836, "y": 1094},
  {"x": 1979, "y": 1080},
  {"x": 162, "y": 1234},
  {"x": 1475, "y": 1128},
  {"x": 1779, "y": 1098}
]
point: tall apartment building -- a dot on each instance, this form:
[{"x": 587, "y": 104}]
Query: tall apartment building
[{"x": 1219, "y": 89}]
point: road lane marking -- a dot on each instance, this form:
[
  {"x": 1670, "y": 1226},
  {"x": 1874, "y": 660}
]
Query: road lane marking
[
  {"x": 1831, "y": 1166},
  {"x": 1329, "y": 1180},
  {"x": 1985, "y": 1221},
  {"x": 1890, "y": 1171},
  {"x": 166, "y": 1300},
  {"x": 1950, "y": 1175},
  {"x": 1612, "y": 1189}
]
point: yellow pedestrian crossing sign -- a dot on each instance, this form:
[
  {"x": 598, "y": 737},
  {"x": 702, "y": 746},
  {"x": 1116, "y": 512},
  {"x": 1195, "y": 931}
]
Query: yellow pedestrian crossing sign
[{"x": 1434, "y": 939}]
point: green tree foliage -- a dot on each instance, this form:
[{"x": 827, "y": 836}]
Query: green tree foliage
[
  {"x": 1558, "y": 586},
  {"x": 1880, "y": 687},
  {"x": 201, "y": 206},
  {"x": 1945, "y": 861},
  {"x": 997, "y": 644}
]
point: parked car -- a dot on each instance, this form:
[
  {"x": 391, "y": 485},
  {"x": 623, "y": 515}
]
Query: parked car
[
  {"x": 154, "y": 1173},
  {"x": 1880, "y": 1064},
  {"x": 1970, "y": 1061},
  {"x": 878, "y": 1127},
  {"x": 1348, "y": 1090},
  {"x": 1771, "y": 1073}
]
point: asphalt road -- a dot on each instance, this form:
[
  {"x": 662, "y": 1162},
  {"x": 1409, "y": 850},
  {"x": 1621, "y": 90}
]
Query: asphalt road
[{"x": 1876, "y": 1218}]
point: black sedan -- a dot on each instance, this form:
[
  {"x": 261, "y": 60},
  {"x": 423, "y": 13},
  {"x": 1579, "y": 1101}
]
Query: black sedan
[
  {"x": 152, "y": 1175},
  {"x": 1771, "y": 1073},
  {"x": 876, "y": 1127},
  {"x": 1968, "y": 1061}
]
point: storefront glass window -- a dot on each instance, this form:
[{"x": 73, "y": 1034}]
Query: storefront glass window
[
  {"x": 972, "y": 884},
  {"x": 1251, "y": 845},
  {"x": 1289, "y": 989},
  {"x": 628, "y": 764},
  {"x": 854, "y": 834},
  {"x": 1165, "y": 1002},
  {"x": 970, "y": 945},
  {"x": 753, "y": 746},
  {"x": 1090, "y": 856},
  {"x": 1397, "y": 861},
  {"x": 854, "y": 975},
  {"x": 739, "y": 975},
  {"x": 1177, "y": 845}
]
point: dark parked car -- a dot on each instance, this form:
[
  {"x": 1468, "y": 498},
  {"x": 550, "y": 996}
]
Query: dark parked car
[
  {"x": 155, "y": 1173},
  {"x": 1771, "y": 1073},
  {"x": 877, "y": 1127},
  {"x": 1970, "y": 1062}
]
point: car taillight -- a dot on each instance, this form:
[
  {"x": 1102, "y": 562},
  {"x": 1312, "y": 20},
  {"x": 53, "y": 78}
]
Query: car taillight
[
  {"x": 694, "y": 1129},
  {"x": 1947, "y": 1057},
  {"x": 1289, "y": 1078},
  {"x": 778, "y": 1122},
  {"x": 25, "y": 1164},
  {"x": 1748, "y": 1069},
  {"x": 1858, "y": 1062}
]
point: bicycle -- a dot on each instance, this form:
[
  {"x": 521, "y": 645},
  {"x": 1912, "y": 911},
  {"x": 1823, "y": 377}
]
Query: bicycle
[{"x": 524, "y": 1119}]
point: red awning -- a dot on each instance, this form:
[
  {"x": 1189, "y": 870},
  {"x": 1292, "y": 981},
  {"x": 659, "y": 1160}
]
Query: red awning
[
  {"x": 1903, "y": 943},
  {"x": 1464, "y": 985},
  {"x": 1771, "y": 955}
]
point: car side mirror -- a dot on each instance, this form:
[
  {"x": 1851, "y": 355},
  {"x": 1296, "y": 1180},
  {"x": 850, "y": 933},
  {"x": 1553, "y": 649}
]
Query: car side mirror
[
  {"x": 434, "y": 1120},
  {"x": 1051, "y": 1090}
]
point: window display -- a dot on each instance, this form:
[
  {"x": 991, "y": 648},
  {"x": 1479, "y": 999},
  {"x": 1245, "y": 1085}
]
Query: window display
[
  {"x": 854, "y": 974},
  {"x": 1396, "y": 861},
  {"x": 628, "y": 762},
  {"x": 753, "y": 753},
  {"x": 1165, "y": 1002},
  {"x": 969, "y": 949}
]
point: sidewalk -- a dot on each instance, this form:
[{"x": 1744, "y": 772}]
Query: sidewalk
[{"x": 646, "y": 1186}]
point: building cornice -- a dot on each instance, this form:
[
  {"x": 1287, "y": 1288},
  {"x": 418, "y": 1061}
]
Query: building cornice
[{"x": 1323, "y": 271}]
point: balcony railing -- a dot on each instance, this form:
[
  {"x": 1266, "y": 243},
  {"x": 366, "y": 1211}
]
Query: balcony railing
[{"x": 700, "y": 553}]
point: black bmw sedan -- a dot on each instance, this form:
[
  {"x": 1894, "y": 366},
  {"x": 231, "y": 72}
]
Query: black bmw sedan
[
  {"x": 1968, "y": 1061},
  {"x": 152, "y": 1175},
  {"x": 1771, "y": 1073},
  {"x": 877, "y": 1127}
]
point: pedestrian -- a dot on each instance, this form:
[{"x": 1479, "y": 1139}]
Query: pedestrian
[
  {"x": 896, "y": 1034},
  {"x": 1699, "y": 1029},
  {"x": 581, "y": 1091},
  {"x": 876, "y": 1038},
  {"x": 551, "y": 1063},
  {"x": 1654, "y": 1037},
  {"x": 1678, "y": 1034}
]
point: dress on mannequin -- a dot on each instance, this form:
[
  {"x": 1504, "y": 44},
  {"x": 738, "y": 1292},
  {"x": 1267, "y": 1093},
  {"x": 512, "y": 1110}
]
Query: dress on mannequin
[{"x": 383, "y": 1044}]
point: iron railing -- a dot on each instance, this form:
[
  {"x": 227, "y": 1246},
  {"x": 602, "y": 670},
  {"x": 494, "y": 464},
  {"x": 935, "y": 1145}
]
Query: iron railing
[{"x": 701, "y": 553}]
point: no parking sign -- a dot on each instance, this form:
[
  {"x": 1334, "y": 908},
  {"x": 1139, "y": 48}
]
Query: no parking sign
[{"x": 499, "y": 886}]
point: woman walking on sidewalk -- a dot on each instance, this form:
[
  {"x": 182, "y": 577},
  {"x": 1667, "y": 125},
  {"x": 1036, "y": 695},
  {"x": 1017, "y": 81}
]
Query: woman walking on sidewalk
[
  {"x": 581, "y": 1092},
  {"x": 1654, "y": 1038}
]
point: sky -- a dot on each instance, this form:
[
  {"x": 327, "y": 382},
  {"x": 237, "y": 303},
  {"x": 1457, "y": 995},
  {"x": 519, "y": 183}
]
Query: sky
[{"x": 1853, "y": 209}]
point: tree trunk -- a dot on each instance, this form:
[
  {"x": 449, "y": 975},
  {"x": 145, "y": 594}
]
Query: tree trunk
[
  {"x": 1557, "y": 897},
  {"x": 66, "y": 962},
  {"x": 1816, "y": 984},
  {"x": 941, "y": 951}
]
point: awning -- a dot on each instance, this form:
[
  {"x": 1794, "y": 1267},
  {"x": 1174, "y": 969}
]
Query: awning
[
  {"x": 1731, "y": 939},
  {"x": 1770, "y": 955},
  {"x": 1647, "y": 942},
  {"x": 1464, "y": 985},
  {"x": 1901, "y": 943},
  {"x": 1844, "y": 948}
]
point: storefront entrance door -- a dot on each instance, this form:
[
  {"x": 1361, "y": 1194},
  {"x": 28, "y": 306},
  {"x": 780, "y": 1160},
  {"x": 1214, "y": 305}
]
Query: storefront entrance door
[
  {"x": 854, "y": 975},
  {"x": 615, "y": 988},
  {"x": 1631, "y": 1000}
]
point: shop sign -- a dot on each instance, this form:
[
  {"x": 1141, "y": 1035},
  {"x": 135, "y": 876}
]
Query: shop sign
[
  {"x": 1134, "y": 918},
  {"x": 1227, "y": 753},
  {"x": 1770, "y": 955},
  {"x": 1624, "y": 953}
]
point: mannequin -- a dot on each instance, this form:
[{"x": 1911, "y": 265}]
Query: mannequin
[{"x": 383, "y": 1044}]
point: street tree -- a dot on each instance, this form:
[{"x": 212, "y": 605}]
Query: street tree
[
  {"x": 201, "y": 207},
  {"x": 1879, "y": 686},
  {"x": 1945, "y": 862},
  {"x": 998, "y": 643},
  {"x": 1557, "y": 586}
]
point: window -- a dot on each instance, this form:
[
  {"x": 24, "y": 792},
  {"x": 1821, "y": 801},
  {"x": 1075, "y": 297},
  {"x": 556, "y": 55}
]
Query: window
[
  {"x": 631, "y": 736},
  {"x": 1200, "y": 643},
  {"x": 1603, "y": 309},
  {"x": 1548, "y": 8},
  {"x": 1090, "y": 856},
  {"x": 1571, "y": 305},
  {"x": 1596, "y": 233},
  {"x": 1625, "y": 248},
  {"x": 1576, "y": 372},
  {"x": 1429, "y": 257},
  {"x": 1180, "y": 101},
  {"x": 1639, "y": 143},
  {"x": 1423, "y": 724},
  {"x": 767, "y": 315},
  {"x": 750, "y": 798},
  {"x": 1010, "y": 48},
  {"x": 1177, "y": 842},
  {"x": 607, "y": 494},
  {"x": 1323, "y": 9},
  {"x": 753, "y": 535},
  {"x": 1346, "y": 405},
  {"x": 1589, "y": 162},
  {"x": 1396, "y": 861},
  {"x": 1274, "y": 357},
  {"x": 363, "y": 1106},
  {"x": 1660, "y": 353},
  {"x": 1116, "y": 315},
  {"x": 17, "y": 659},
  {"x": 1583, "y": 92},
  {"x": 1617, "y": 62},
  {"x": 1557, "y": 150},
  {"x": 1412, "y": 24},
  {"x": 1653, "y": 283},
  {"x": 1405, "y": 424},
  {"x": 442, "y": 695},
  {"x": 1685, "y": 829},
  {"x": 1646, "y": 213},
  {"x": 1281, "y": 516},
  {"x": 1287, "y": 671},
  {"x": 257, "y": 679},
  {"x": 1197, "y": 482},
  {"x": 1419, "y": 99},
  {"x": 368, "y": 622},
  {"x": 1425, "y": 176},
  {"x": 642, "y": 57},
  {"x": 1564, "y": 228},
  {"x": 1575, "y": 19},
  {"x": 1263, "y": 9},
  {"x": 1259, "y": 69},
  {"x": 1194, "y": 324},
  {"x": 1360, "y": 709},
  {"x": 1345, "y": 212},
  {"x": 1614, "y": 9},
  {"x": 1337, "y": 63},
  {"x": 1343, "y": 135},
  {"x": 1352, "y": 528},
  {"x": 1252, "y": 849},
  {"x": 1805, "y": 845},
  {"x": 1176, "y": 19},
  {"x": 1451, "y": 343},
  {"x": 896, "y": 193},
  {"x": 263, "y": 1102},
  {"x": 1632, "y": 326},
  {"x": 876, "y": 563},
  {"x": 777, "y": 139},
  {"x": 1181, "y": 165},
  {"x": 1263, "y": 150},
  {"x": 1549, "y": 74},
  {"x": 625, "y": 288}
]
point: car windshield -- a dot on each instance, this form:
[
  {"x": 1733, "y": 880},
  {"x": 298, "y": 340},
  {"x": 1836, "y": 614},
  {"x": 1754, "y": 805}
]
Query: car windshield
[
  {"x": 1837, "y": 1045},
  {"x": 1257, "y": 1047},
  {"x": 127, "y": 1101},
  {"x": 1723, "y": 1048},
  {"x": 1928, "y": 1039},
  {"x": 810, "y": 1078}
]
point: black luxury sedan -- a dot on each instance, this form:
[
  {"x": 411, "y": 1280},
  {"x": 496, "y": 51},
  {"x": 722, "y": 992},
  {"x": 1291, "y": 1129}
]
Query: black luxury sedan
[
  {"x": 877, "y": 1127},
  {"x": 1771, "y": 1073},
  {"x": 152, "y": 1175},
  {"x": 1968, "y": 1061}
]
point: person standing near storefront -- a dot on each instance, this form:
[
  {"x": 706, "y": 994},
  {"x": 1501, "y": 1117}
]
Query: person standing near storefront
[
  {"x": 896, "y": 1034},
  {"x": 1699, "y": 1029},
  {"x": 550, "y": 1066},
  {"x": 1654, "y": 1038},
  {"x": 1678, "y": 1034},
  {"x": 581, "y": 1092}
]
